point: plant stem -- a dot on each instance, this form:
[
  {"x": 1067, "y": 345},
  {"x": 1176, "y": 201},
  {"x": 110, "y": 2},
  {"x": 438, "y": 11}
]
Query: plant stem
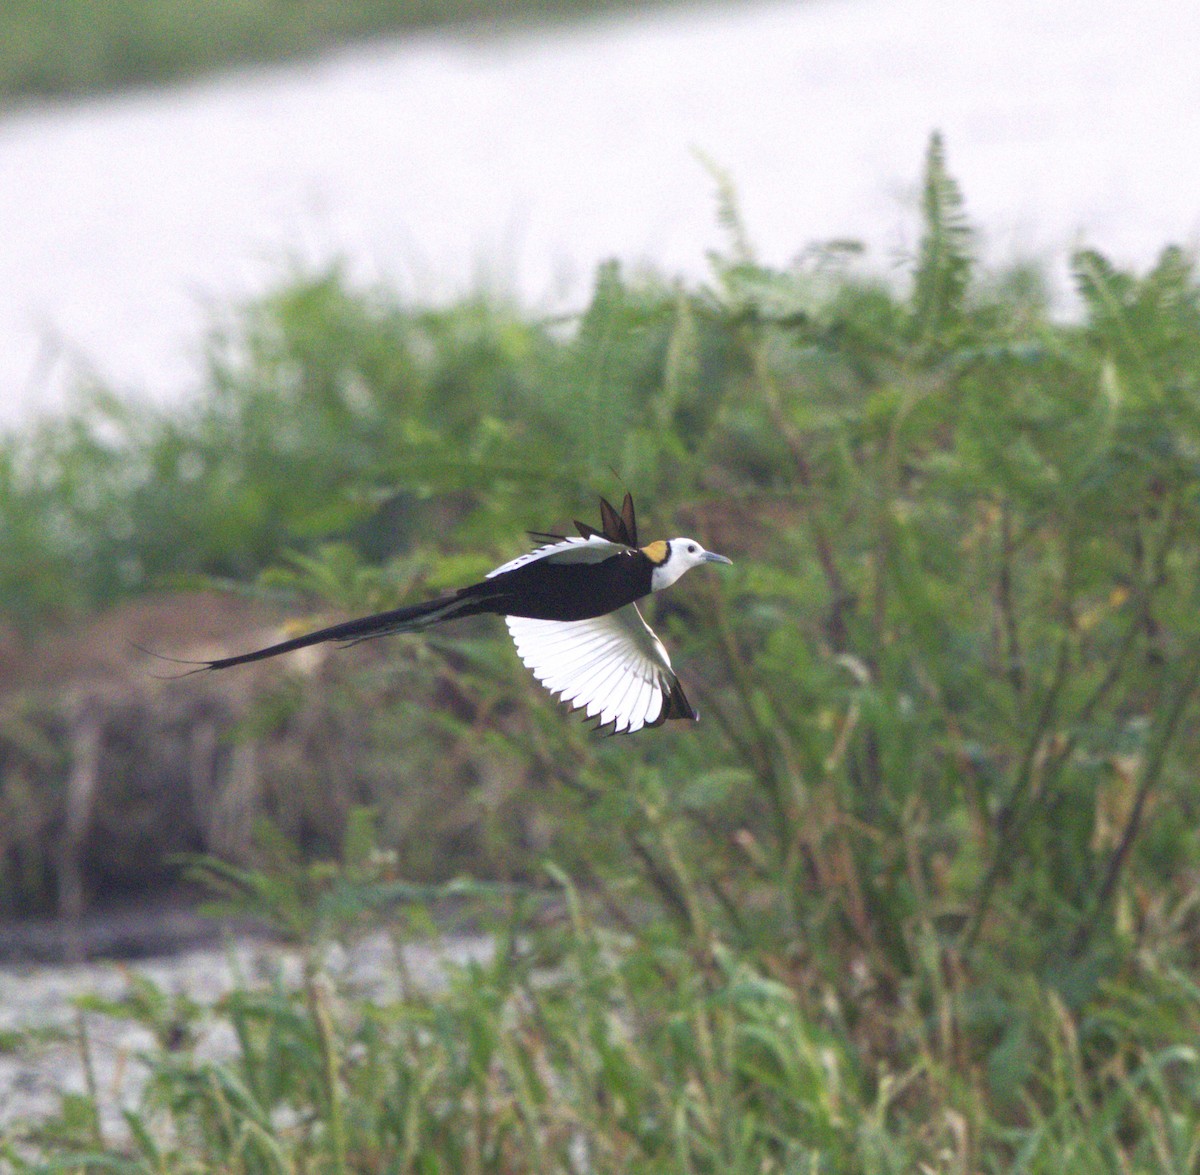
[{"x": 1151, "y": 773}]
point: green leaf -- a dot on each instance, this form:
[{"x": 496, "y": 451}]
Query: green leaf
[{"x": 944, "y": 258}]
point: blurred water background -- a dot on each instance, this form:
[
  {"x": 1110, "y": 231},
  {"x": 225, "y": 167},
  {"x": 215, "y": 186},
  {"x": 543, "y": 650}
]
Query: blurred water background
[{"x": 516, "y": 162}]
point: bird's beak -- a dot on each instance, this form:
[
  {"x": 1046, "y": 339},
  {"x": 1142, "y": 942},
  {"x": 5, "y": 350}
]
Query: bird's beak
[{"x": 713, "y": 557}]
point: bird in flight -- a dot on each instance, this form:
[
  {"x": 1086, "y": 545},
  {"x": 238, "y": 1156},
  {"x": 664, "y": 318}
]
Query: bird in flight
[{"x": 571, "y": 608}]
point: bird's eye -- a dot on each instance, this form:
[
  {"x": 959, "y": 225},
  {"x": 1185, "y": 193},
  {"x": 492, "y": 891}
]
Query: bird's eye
[{"x": 691, "y": 548}]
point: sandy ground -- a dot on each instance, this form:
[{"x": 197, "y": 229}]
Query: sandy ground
[{"x": 439, "y": 164}]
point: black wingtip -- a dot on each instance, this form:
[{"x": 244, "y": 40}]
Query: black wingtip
[{"x": 675, "y": 704}]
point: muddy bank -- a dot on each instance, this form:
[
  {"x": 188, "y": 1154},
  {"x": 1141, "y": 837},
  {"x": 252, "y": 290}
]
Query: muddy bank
[
  {"x": 111, "y": 773},
  {"x": 124, "y": 931}
]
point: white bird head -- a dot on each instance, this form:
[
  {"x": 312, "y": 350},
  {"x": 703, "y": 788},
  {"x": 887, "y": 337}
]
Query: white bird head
[{"x": 674, "y": 557}]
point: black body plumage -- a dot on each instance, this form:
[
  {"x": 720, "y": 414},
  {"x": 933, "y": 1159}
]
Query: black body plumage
[
  {"x": 545, "y": 590},
  {"x": 539, "y": 590},
  {"x": 571, "y": 608}
]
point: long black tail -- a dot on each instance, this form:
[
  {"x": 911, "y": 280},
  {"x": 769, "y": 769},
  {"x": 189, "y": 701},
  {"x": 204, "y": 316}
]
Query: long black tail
[{"x": 411, "y": 619}]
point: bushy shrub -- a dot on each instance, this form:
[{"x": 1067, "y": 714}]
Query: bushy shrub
[{"x": 942, "y": 794}]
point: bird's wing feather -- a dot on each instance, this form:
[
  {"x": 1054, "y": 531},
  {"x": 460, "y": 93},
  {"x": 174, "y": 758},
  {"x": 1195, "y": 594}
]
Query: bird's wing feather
[
  {"x": 617, "y": 528},
  {"x": 611, "y": 523},
  {"x": 568, "y": 550},
  {"x": 611, "y": 666},
  {"x": 629, "y": 519}
]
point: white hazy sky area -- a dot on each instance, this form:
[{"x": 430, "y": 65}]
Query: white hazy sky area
[{"x": 128, "y": 223}]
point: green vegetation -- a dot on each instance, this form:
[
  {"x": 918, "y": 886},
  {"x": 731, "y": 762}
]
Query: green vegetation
[
  {"x": 51, "y": 47},
  {"x": 920, "y": 890}
]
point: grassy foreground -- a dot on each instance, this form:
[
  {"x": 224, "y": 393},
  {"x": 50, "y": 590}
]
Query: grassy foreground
[{"x": 920, "y": 892}]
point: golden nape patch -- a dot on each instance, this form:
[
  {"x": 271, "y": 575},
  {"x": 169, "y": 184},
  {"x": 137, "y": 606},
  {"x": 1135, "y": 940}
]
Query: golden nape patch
[{"x": 656, "y": 552}]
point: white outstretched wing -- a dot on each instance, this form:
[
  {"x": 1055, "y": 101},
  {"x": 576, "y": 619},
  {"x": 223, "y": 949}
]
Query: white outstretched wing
[
  {"x": 571, "y": 550},
  {"x": 612, "y": 666}
]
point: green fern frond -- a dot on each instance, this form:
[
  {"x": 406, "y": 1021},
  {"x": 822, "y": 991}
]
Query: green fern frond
[
  {"x": 944, "y": 259},
  {"x": 729, "y": 215},
  {"x": 1103, "y": 288}
]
